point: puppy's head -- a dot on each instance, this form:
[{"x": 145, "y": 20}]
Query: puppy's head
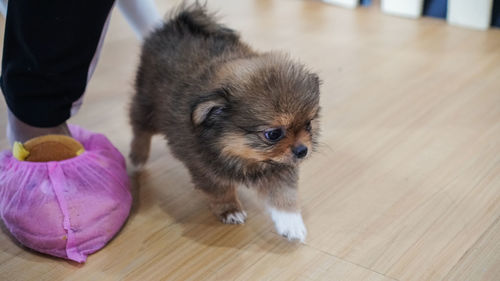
[{"x": 265, "y": 110}]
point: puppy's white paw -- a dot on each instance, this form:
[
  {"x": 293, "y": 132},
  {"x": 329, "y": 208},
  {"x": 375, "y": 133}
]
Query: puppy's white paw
[
  {"x": 289, "y": 224},
  {"x": 234, "y": 217}
]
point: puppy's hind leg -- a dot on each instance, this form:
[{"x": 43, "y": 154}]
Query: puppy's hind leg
[{"x": 139, "y": 151}]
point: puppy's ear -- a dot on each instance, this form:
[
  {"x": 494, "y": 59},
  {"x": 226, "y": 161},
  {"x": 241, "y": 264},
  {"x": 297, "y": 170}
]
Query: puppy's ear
[
  {"x": 315, "y": 81},
  {"x": 209, "y": 107}
]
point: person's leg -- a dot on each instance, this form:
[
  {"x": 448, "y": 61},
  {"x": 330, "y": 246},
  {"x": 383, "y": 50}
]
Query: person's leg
[
  {"x": 49, "y": 47},
  {"x": 142, "y": 16},
  {"x": 3, "y": 7},
  {"x": 19, "y": 131}
]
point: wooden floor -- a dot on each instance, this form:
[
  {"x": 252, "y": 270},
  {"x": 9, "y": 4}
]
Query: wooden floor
[{"x": 406, "y": 185}]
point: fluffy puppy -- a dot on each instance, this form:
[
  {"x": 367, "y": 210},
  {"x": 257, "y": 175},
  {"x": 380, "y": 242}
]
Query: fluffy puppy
[{"x": 230, "y": 114}]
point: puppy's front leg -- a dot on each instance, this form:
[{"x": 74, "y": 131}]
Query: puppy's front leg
[
  {"x": 281, "y": 202},
  {"x": 224, "y": 203},
  {"x": 139, "y": 151}
]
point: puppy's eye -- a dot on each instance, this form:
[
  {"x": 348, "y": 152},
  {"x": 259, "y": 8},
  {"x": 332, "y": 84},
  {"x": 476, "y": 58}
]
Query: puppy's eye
[
  {"x": 217, "y": 110},
  {"x": 274, "y": 134},
  {"x": 308, "y": 126}
]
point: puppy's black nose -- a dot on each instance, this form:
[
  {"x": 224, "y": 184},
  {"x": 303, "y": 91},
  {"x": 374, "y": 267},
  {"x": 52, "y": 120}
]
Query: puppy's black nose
[{"x": 300, "y": 151}]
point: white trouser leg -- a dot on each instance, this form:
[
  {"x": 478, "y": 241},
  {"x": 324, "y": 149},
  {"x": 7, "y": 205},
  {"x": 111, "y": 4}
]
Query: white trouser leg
[
  {"x": 3, "y": 7},
  {"x": 142, "y": 15}
]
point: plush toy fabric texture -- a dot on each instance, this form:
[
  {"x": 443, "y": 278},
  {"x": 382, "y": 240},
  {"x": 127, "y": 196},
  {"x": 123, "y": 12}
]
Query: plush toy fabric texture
[{"x": 68, "y": 208}]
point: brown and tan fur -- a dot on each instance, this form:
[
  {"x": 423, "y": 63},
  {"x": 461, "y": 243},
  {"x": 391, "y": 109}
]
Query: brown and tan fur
[{"x": 214, "y": 98}]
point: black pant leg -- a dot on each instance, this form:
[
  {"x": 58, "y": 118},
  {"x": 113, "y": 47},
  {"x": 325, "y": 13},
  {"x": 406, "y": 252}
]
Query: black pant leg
[{"x": 48, "y": 48}]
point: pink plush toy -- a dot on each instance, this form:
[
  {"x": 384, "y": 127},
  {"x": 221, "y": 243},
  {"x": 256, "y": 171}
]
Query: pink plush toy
[{"x": 69, "y": 208}]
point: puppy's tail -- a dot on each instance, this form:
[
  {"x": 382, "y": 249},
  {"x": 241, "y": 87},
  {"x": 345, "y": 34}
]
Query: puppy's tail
[{"x": 195, "y": 19}]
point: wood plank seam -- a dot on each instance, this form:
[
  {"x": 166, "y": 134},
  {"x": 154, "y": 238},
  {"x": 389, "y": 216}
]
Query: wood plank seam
[
  {"x": 472, "y": 247},
  {"x": 353, "y": 263}
]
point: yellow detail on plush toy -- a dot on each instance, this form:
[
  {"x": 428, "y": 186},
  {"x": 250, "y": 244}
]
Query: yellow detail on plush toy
[{"x": 19, "y": 152}]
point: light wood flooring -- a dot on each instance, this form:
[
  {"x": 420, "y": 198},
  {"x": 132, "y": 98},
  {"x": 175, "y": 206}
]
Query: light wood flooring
[{"x": 406, "y": 185}]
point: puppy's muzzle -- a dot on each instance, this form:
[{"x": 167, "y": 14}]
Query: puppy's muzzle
[{"x": 300, "y": 151}]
